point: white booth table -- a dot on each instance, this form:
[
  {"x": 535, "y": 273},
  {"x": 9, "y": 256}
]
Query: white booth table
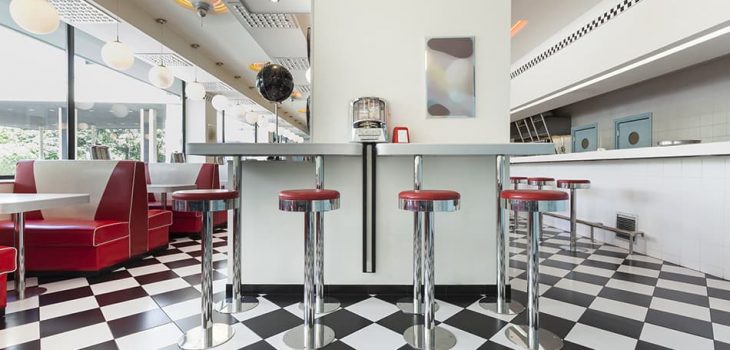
[
  {"x": 20, "y": 203},
  {"x": 164, "y": 189}
]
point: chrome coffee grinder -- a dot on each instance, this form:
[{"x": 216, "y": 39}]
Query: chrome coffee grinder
[{"x": 369, "y": 120}]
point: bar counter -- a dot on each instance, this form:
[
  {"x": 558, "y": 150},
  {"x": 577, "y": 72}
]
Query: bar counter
[{"x": 273, "y": 242}]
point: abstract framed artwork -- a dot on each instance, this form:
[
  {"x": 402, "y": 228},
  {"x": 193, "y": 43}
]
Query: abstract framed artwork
[{"x": 450, "y": 78}]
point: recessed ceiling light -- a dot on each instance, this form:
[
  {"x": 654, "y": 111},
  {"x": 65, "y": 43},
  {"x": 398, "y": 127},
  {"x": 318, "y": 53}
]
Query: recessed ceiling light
[
  {"x": 274, "y": 0},
  {"x": 517, "y": 27}
]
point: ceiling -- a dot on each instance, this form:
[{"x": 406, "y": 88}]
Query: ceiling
[{"x": 544, "y": 19}]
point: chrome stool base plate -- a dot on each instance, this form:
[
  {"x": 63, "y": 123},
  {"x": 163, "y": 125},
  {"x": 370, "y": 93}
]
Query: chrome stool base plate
[
  {"x": 518, "y": 336},
  {"x": 577, "y": 249},
  {"x": 227, "y": 306},
  {"x": 406, "y": 305},
  {"x": 193, "y": 339},
  {"x": 444, "y": 339},
  {"x": 512, "y": 308},
  {"x": 329, "y": 305},
  {"x": 294, "y": 338}
]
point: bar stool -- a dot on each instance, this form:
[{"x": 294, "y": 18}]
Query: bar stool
[
  {"x": 516, "y": 181},
  {"x": 428, "y": 336},
  {"x": 208, "y": 334},
  {"x": 533, "y": 202},
  {"x": 311, "y": 202},
  {"x": 573, "y": 185},
  {"x": 540, "y": 182}
]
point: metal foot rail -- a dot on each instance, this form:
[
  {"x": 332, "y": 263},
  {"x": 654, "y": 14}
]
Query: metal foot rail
[{"x": 632, "y": 234}]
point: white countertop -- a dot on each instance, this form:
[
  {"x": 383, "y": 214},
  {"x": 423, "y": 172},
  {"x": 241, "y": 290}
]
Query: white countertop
[
  {"x": 169, "y": 188},
  {"x": 274, "y": 149},
  {"x": 693, "y": 150},
  {"x": 485, "y": 149},
  {"x": 12, "y": 203}
]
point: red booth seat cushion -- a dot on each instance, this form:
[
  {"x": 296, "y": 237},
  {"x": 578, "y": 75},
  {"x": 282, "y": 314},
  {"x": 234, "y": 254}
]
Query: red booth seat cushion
[
  {"x": 7, "y": 260},
  {"x": 67, "y": 232},
  {"x": 159, "y": 218}
]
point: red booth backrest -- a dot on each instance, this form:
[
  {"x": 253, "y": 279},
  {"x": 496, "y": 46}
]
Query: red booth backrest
[{"x": 116, "y": 188}]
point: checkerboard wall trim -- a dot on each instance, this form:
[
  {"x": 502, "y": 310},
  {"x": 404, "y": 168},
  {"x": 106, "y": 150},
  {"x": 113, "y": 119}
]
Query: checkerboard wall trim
[{"x": 581, "y": 32}]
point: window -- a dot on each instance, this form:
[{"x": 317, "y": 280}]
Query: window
[{"x": 33, "y": 96}]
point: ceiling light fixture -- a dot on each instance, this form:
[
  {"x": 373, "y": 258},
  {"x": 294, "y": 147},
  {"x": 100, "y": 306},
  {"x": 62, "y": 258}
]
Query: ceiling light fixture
[
  {"x": 517, "y": 27},
  {"x": 159, "y": 75},
  {"x": 35, "y": 16},
  {"x": 220, "y": 102},
  {"x": 218, "y": 6},
  {"x": 117, "y": 54},
  {"x": 195, "y": 90}
]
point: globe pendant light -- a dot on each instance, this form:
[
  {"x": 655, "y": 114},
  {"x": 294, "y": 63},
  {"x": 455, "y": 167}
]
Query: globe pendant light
[
  {"x": 219, "y": 102},
  {"x": 159, "y": 75},
  {"x": 35, "y": 16},
  {"x": 119, "y": 110},
  {"x": 117, "y": 54},
  {"x": 195, "y": 90}
]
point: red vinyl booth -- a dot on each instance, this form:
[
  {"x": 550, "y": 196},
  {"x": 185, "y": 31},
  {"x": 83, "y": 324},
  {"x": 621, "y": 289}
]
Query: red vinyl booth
[
  {"x": 113, "y": 227},
  {"x": 7, "y": 265},
  {"x": 203, "y": 175}
]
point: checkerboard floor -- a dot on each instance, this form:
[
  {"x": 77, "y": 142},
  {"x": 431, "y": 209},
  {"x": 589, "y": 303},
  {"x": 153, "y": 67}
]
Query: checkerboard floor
[{"x": 603, "y": 299}]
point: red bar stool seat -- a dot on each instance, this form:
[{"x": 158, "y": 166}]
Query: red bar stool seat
[
  {"x": 313, "y": 202},
  {"x": 208, "y": 334},
  {"x": 574, "y": 185},
  {"x": 428, "y": 336},
  {"x": 533, "y": 202}
]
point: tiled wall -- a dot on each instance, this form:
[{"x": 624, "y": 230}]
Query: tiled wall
[
  {"x": 682, "y": 204},
  {"x": 693, "y": 103}
]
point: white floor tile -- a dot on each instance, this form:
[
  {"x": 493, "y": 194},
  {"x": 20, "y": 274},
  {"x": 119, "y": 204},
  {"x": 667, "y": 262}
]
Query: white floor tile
[
  {"x": 599, "y": 339},
  {"x": 374, "y": 337},
  {"x": 681, "y": 286},
  {"x": 721, "y": 332},
  {"x": 153, "y": 338},
  {"x": 446, "y": 310},
  {"x": 606, "y": 259},
  {"x": 265, "y": 306},
  {"x": 631, "y": 287},
  {"x": 578, "y": 286},
  {"x": 643, "y": 258},
  {"x": 78, "y": 338},
  {"x": 190, "y": 248},
  {"x": 521, "y": 285},
  {"x": 553, "y": 271},
  {"x": 566, "y": 258},
  {"x": 639, "y": 271},
  {"x": 619, "y": 308},
  {"x": 594, "y": 271},
  {"x": 464, "y": 340},
  {"x": 718, "y": 284},
  {"x": 67, "y": 307},
  {"x": 19, "y": 335},
  {"x": 674, "y": 340},
  {"x": 172, "y": 257},
  {"x": 146, "y": 270},
  {"x": 113, "y": 286},
  {"x": 128, "y": 308},
  {"x": 165, "y": 286},
  {"x": 373, "y": 309},
  {"x": 478, "y": 309},
  {"x": 561, "y": 309},
  {"x": 65, "y": 285},
  {"x": 679, "y": 308},
  {"x": 242, "y": 338},
  {"x": 682, "y": 270},
  {"x": 187, "y": 270},
  {"x": 720, "y": 304},
  {"x": 501, "y": 338},
  {"x": 183, "y": 309},
  {"x": 20, "y": 305}
]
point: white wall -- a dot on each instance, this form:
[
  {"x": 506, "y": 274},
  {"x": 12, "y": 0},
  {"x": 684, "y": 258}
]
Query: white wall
[
  {"x": 689, "y": 104},
  {"x": 200, "y": 125},
  {"x": 682, "y": 205},
  {"x": 644, "y": 29},
  {"x": 377, "y": 48}
]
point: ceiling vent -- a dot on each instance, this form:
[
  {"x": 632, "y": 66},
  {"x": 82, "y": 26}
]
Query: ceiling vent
[
  {"x": 261, "y": 20},
  {"x": 217, "y": 87},
  {"x": 293, "y": 63},
  {"x": 166, "y": 59},
  {"x": 81, "y": 11}
]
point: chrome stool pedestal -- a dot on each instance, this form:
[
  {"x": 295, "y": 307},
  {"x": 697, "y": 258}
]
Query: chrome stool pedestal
[
  {"x": 237, "y": 303},
  {"x": 574, "y": 185},
  {"x": 312, "y": 203},
  {"x": 208, "y": 334},
  {"x": 540, "y": 182},
  {"x": 501, "y": 305},
  {"x": 533, "y": 202},
  {"x": 426, "y": 202}
]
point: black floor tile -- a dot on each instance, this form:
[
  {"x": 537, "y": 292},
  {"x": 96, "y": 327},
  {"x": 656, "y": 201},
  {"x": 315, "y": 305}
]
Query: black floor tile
[
  {"x": 476, "y": 323},
  {"x": 684, "y": 297},
  {"x": 569, "y": 296},
  {"x": 611, "y": 253},
  {"x": 344, "y": 322},
  {"x": 120, "y": 296},
  {"x": 612, "y": 323},
  {"x": 649, "y": 281},
  {"x": 588, "y": 278},
  {"x": 718, "y": 293},
  {"x": 112, "y": 276},
  {"x": 260, "y": 345},
  {"x": 182, "y": 263},
  {"x": 545, "y": 279},
  {"x": 642, "y": 264},
  {"x": 680, "y": 323},
  {"x": 558, "y": 264},
  {"x": 272, "y": 323},
  {"x": 721, "y": 317},
  {"x": 137, "y": 323},
  {"x": 196, "y": 278},
  {"x": 108, "y": 345},
  {"x": 176, "y": 296},
  {"x": 20, "y": 318},
  {"x": 400, "y": 321},
  {"x": 600, "y": 264},
  {"x": 70, "y": 322},
  {"x": 560, "y": 326},
  {"x": 66, "y": 295},
  {"x": 156, "y": 277},
  {"x": 193, "y": 321},
  {"x": 490, "y": 345},
  {"x": 642, "y": 345},
  {"x": 284, "y": 300},
  {"x": 31, "y": 345},
  {"x": 625, "y": 296},
  {"x": 698, "y": 281}
]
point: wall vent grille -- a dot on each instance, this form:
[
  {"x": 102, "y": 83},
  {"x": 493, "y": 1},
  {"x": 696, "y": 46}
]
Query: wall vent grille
[
  {"x": 217, "y": 87},
  {"x": 293, "y": 63},
  {"x": 623, "y": 6},
  {"x": 81, "y": 11},
  {"x": 262, "y": 20},
  {"x": 626, "y": 222},
  {"x": 168, "y": 59}
]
